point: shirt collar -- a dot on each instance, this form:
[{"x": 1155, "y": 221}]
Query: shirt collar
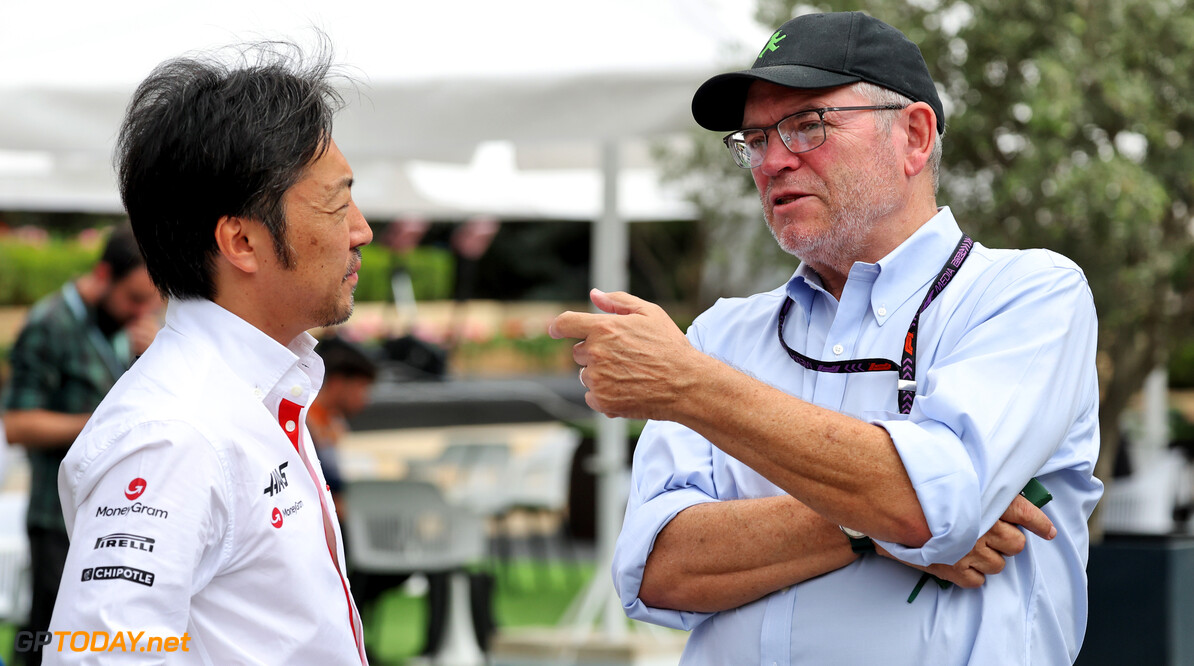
[
  {"x": 254, "y": 357},
  {"x": 914, "y": 263},
  {"x": 900, "y": 274}
]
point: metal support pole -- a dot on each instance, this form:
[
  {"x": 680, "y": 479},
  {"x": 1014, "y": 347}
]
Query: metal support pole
[{"x": 610, "y": 259}]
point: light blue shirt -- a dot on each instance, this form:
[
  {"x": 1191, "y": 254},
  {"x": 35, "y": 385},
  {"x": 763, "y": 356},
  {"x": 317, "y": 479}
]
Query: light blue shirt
[{"x": 1007, "y": 390}]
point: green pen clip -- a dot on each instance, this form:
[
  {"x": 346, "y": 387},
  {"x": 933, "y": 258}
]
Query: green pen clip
[{"x": 1034, "y": 492}]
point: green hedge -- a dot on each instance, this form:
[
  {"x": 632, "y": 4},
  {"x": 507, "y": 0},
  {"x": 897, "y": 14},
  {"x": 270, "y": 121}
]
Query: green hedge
[
  {"x": 432, "y": 271},
  {"x": 1181, "y": 366},
  {"x": 30, "y": 270}
]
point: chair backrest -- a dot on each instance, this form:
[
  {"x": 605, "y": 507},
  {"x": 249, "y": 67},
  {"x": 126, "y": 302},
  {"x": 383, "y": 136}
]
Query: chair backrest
[
  {"x": 464, "y": 464},
  {"x": 15, "y": 581},
  {"x": 406, "y": 527},
  {"x": 540, "y": 479}
]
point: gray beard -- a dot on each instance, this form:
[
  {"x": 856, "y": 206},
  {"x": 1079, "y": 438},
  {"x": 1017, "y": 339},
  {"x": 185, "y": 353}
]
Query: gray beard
[{"x": 855, "y": 210}]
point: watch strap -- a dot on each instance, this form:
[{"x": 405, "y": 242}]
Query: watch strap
[{"x": 859, "y": 542}]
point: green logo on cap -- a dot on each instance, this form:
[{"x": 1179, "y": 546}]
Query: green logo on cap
[{"x": 773, "y": 43}]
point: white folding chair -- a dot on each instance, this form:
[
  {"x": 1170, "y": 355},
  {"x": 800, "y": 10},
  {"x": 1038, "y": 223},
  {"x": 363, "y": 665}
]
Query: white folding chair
[
  {"x": 15, "y": 582},
  {"x": 395, "y": 527},
  {"x": 536, "y": 483}
]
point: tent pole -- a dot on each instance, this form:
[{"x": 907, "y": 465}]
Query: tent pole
[{"x": 609, "y": 273}]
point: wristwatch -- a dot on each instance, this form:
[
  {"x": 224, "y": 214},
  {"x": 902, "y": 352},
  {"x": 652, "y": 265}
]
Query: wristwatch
[{"x": 859, "y": 542}]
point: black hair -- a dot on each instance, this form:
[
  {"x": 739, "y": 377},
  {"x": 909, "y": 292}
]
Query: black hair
[
  {"x": 203, "y": 139},
  {"x": 121, "y": 253},
  {"x": 345, "y": 359}
]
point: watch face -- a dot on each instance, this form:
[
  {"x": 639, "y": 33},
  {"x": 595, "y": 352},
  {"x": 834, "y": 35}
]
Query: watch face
[{"x": 853, "y": 534}]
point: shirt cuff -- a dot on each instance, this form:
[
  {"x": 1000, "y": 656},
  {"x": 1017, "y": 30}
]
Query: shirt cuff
[
  {"x": 941, "y": 476},
  {"x": 642, "y": 525}
]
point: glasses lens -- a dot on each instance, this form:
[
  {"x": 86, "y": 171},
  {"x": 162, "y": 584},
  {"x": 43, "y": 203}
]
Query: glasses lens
[
  {"x": 747, "y": 147},
  {"x": 802, "y": 132}
]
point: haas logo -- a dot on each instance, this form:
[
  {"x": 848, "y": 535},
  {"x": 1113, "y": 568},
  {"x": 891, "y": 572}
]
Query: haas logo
[
  {"x": 276, "y": 518},
  {"x": 136, "y": 488},
  {"x": 277, "y": 481}
]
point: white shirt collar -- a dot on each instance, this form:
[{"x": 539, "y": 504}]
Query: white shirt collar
[
  {"x": 256, "y": 358},
  {"x": 897, "y": 276}
]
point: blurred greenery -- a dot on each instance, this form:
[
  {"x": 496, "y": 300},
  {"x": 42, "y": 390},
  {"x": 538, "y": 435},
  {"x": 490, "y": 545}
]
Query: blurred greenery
[
  {"x": 1181, "y": 366},
  {"x": 431, "y": 268},
  {"x": 527, "y": 594},
  {"x": 32, "y": 268},
  {"x": 1070, "y": 126}
]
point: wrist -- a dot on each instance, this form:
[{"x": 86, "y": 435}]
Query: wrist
[{"x": 859, "y": 542}]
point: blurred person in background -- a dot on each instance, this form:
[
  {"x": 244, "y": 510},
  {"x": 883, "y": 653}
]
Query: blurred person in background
[
  {"x": 75, "y": 344},
  {"x": 348, "y": 378}
]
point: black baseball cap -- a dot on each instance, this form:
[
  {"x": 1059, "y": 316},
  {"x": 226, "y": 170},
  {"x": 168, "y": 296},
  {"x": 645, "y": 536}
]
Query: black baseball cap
[{"x": 822, "y": 51}]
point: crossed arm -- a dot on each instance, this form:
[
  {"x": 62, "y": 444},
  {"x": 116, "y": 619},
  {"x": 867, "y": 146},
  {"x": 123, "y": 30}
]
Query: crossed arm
[
  {"x": 835, "y": 469},
  {"x": 699, "y": 562}
]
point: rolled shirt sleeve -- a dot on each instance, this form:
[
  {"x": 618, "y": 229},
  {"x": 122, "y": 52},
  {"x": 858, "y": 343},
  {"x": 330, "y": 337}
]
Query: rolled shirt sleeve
[
  {"x": 673, "y": 471},
  {"x": 1008, "y": 394}
]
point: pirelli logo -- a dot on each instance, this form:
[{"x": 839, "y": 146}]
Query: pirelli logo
[{"x": 130, "y": 541}]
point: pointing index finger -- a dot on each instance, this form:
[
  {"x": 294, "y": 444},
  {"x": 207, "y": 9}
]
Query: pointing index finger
[{"x": 571, "y": 325}]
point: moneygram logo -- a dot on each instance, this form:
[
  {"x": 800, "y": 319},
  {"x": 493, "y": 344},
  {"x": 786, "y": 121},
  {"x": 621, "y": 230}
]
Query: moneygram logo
[
  {"x": 137, "y": 507},
  {"x": 279, "y": 514},
  {"x": 135, "y": 489}
]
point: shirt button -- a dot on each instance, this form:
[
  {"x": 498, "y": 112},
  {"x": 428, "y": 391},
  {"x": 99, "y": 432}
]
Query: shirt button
[
  {"x": 290, "y": 426},
  {"x": 296, "y": 390},
  {"x": 257, "y": 393},
  {"x": 882, "y": 311},
  {"x": 838, "y": 349}
]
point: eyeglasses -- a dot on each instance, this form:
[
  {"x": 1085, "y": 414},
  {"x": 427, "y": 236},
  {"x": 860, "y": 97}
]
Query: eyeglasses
[{"x": 800, "y": 132}]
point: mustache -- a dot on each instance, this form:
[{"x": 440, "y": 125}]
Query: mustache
[{"x": 355, "y": 264}]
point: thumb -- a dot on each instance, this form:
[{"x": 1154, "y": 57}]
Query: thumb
[
  {"x": 617, "y": 302},
  {"x": 1022, "y": 512}
]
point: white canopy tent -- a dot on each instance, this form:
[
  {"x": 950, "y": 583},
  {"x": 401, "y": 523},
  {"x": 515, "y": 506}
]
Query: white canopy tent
[
  {"x": 527, "y": 108},
  {"x": 549, "y": 81}
]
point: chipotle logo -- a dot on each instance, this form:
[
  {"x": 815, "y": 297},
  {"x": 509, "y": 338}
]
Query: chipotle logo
[{"x": 135, "y": 489}]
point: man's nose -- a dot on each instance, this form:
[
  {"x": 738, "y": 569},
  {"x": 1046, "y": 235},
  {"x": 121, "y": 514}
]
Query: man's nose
[
  {"x": 362, "y": 233},
  {"x": 777, "y": 156}
]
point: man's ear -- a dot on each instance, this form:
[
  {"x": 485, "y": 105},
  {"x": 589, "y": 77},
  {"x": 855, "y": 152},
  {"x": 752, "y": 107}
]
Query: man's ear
[
  {"x": 921, "y": 126},
  {"x": 102, "y": 273},
  {"x": 238, "y": 241}
]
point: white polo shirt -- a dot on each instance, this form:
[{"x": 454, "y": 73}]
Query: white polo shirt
[{"x": 194, "y": 513}]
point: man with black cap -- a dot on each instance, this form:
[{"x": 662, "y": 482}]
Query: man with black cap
[{"x": 815, "y": 449}]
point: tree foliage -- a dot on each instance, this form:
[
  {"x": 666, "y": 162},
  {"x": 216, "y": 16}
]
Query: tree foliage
[{"x": 1070, "y": 126}]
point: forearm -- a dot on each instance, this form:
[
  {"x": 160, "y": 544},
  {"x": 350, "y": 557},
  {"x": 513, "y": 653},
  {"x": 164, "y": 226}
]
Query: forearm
[
  {"x": 844, "y": 469},
  {"x": 721, "y": 555},
  {"x": 41, "y": 428}
]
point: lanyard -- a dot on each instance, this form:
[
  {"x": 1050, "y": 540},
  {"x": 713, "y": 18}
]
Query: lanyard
[{"x": 906, "y": 385}]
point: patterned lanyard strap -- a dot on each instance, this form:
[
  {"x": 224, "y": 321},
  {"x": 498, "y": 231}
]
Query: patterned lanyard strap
[{"x": 906, "y": 385}]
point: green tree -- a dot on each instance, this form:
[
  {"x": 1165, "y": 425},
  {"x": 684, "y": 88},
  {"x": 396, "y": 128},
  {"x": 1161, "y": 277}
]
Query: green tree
[{"x": 1070, "y": 125}]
